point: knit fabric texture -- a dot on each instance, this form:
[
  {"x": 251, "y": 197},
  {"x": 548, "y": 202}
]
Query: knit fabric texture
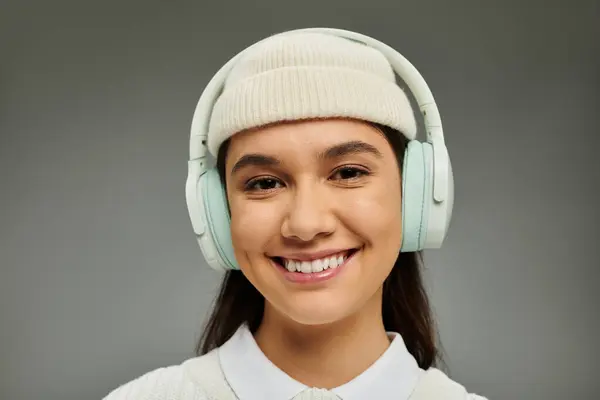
[
  {"x": 299, "y": 76},
  {"x": 316, "y": 394}
]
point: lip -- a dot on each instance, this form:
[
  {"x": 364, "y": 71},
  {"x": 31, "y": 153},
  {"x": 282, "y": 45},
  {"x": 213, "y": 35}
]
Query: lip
[{"x": 315, "y": 277}]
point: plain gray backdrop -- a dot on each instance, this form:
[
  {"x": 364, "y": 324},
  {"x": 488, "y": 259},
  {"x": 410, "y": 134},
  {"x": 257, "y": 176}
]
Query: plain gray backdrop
[{"x": 101, "y": 278}]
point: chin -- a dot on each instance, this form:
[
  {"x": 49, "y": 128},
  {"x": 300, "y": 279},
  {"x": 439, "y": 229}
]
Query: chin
[{"x": 320, "y": 310}]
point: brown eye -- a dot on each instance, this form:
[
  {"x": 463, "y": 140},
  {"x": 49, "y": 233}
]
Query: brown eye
[
  {"x": 349, "y": 173},
  {"x": 262, "y": 184}
]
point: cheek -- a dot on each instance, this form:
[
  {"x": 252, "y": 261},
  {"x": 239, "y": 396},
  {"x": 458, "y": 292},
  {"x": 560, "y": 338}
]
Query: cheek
[
  {"x": 253, "y": 226},
  {"x": 376, "y": 213}
]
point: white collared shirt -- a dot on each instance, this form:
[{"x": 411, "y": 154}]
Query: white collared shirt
[
  {"x": 252, "y": 376},
  {"x": 240, "y": 370}
]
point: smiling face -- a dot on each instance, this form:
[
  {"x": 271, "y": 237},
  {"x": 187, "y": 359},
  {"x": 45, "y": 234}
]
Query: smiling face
[{"x": 315, "y": 216}]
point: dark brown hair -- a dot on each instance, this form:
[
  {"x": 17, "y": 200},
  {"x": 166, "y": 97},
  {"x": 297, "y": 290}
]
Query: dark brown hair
[{"x": 406, "y": 307}]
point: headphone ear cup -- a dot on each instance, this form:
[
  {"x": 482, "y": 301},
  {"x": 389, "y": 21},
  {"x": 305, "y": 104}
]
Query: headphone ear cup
[
  {"x": 416, "y": 187},
  {"x": 218, "y": 221}
]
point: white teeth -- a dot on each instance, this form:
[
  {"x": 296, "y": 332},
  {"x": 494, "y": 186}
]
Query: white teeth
[
  {"x": 315, "y": 265},
  {"x": 306, "y": 267},
  {"x": 333, "y": 262}
]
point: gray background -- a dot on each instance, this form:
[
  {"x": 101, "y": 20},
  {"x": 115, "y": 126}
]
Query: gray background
[{"x": 101, "y": 278}]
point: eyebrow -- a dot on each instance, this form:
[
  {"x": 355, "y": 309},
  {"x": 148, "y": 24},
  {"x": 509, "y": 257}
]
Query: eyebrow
[
  {"x": 348, "y": 148},
  {"x": 259, "y": 160},
  {"x": 337, "y": 151}
]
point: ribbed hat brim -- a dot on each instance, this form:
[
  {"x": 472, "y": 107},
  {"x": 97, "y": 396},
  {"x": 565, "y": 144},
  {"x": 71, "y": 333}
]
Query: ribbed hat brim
[{"x": 299, "y": 93}]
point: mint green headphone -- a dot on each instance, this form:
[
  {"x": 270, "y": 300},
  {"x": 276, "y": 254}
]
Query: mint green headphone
[{"x": 427, "y": 180}]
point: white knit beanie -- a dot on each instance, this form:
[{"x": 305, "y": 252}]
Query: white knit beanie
[{"x": 308, "y": 76}]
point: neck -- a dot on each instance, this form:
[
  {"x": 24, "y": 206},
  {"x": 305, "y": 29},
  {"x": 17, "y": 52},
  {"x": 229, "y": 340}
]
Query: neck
[{"x": 324, "y": 356}]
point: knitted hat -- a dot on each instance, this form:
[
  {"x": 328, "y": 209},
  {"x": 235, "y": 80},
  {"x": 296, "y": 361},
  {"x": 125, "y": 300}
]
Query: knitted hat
[{"x": 307, "y": 76}]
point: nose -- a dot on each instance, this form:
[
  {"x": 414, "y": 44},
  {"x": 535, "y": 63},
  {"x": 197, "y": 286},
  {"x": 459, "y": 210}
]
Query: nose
[{"x": 309, "y": 215}]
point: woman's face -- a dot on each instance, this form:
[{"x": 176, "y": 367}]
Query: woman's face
[{"x": 315, "y": 215}]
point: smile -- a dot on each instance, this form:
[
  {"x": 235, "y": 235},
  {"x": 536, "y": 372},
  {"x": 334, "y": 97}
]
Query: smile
[{"x": 309, "y": 268}]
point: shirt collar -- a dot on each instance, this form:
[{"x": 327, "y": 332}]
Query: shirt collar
[{"x": 252, "y": 376}]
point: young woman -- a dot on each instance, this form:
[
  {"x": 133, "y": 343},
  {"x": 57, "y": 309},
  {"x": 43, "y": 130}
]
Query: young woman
[{"x": 318, "y": 209}]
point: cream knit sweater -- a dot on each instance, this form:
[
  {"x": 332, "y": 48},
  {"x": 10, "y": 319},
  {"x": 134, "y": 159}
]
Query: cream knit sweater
[{"x": 201, "y": 378}]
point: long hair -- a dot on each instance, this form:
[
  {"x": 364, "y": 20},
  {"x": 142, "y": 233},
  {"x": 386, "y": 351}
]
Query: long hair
[{"x": 406, "y": 307}]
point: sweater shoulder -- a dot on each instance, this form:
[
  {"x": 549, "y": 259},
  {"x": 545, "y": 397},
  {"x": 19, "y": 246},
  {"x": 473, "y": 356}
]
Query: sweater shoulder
[
  {"x": 166, "y": 383},
  {"x": 435, "y": 384}
]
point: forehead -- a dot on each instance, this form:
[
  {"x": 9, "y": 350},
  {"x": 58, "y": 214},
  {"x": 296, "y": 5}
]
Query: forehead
[{"x": 304, "y": 136}]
